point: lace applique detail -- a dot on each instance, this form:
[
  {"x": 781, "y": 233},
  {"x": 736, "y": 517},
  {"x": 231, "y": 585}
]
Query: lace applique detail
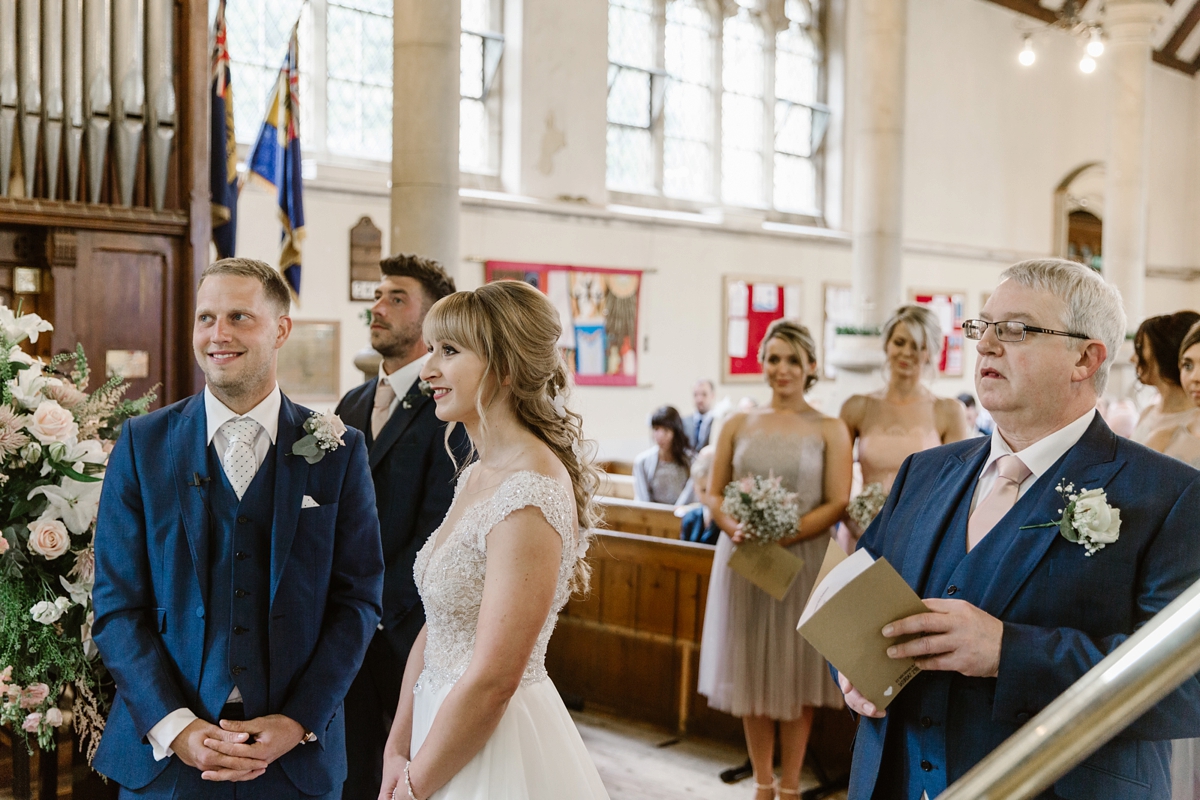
[{"x": 450, "y": 576}]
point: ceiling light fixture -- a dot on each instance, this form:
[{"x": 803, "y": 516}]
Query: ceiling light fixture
[{"x": 1027, "y": 56}]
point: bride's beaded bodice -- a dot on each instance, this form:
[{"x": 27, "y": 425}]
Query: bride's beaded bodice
[{"x": 450, "y": 575}]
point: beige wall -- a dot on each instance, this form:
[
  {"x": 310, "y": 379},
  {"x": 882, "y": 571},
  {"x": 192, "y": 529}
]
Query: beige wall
[{"x": 987, "y": 142}]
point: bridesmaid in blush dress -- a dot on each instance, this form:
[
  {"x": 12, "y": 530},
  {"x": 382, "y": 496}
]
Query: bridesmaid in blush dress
[
  {"x": 904, "y": 417},
  {"x": 1167, "y": 425},
  {"x": 753, "y": 664}
]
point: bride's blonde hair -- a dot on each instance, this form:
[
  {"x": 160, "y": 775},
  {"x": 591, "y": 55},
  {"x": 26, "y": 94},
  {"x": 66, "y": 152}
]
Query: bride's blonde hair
[{"x": 515, "y": 330}]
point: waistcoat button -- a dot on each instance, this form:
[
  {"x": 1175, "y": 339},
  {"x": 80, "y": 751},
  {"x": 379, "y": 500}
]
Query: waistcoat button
[
  {"x": 952, "y": 589},
  {"x": 239, "y": 630},
  {"x": 925, "y": 765},
  {"x": 926, "y": 722}
]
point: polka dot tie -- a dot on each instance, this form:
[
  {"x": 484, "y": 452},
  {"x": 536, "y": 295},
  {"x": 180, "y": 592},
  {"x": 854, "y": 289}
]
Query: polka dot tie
[{"x": 239, "y": 461}]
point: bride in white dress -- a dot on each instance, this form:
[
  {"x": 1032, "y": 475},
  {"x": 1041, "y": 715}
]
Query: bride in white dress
[{"x": 478, "y": 717}]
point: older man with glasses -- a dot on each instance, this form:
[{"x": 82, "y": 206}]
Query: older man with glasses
[{"x": 1020, "y": 603}]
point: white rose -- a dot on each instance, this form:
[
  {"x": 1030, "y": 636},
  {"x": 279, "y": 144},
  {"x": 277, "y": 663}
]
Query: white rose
[
  {"x": 1095, "y": 519},
  {"x": 45, "y": 612},
  {"x": 53, "y": 718},
  {"x": 48, "y": 538},
  {"x": 53, "y": 423}
]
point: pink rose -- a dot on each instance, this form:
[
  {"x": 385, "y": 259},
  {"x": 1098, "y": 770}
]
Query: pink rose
[
  {"x": 3, "y": 545},
  {"x": 34, "y": 695},
  {"x": 31, "y": 723},
  {"x": 67, "y": 395},
  {"x": 53, "y": 423},
  {"x": 54, "y": 717},
  {"x": 48, "y": 538}
]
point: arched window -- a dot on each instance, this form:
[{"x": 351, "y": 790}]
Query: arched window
[
  {"x": 632, "y": 79},
  {"x": 742, "y": 109},
  {"x": 688, "y": 118},
  {"x": 799, "y": 117}
]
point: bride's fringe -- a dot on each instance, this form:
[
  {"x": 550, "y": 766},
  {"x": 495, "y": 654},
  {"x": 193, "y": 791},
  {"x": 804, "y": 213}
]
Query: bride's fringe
[{"x": 515, "y": 329}]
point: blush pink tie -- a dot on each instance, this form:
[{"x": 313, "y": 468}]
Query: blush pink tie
[
  {"x": 384, "y": 395},
  {"x": 999, "y": 500}
]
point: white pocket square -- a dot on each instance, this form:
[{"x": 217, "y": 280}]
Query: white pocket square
[{"x": 308, "y": 502}]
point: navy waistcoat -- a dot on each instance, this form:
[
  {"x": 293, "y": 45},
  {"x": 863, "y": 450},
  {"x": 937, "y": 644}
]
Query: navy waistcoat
[{"x": 239, "y": 583}]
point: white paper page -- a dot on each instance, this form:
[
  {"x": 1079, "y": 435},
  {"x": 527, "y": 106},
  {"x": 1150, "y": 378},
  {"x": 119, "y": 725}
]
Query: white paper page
[
  {"x": 738, "y": 342},
  {"x": 835, "y": 581}
]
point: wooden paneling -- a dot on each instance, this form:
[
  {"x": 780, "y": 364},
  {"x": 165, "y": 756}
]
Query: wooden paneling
[{"x": 633, "y": 516}]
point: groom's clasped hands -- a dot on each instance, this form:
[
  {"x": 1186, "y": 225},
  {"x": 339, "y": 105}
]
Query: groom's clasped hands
[{"x": 236, "y": 750}]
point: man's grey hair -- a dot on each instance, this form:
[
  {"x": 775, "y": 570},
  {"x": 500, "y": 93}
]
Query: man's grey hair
[{"x": 1093, "y": 306}]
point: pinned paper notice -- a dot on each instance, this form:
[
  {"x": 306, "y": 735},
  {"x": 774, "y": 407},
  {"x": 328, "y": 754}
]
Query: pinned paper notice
[
  {"x": 766, "y": 297},
  {"x": 739, "y": 299},
  {"x": 738, "y": 342},
  {"x": 791, "y": 302}
]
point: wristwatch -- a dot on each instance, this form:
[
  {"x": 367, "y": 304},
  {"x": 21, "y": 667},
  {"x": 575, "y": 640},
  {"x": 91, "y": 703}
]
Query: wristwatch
[{"x": 309, "y": 736}]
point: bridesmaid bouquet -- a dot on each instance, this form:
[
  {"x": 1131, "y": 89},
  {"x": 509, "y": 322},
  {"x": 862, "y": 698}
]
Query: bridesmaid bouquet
[
  {"x": 54, "y": 444},
  {"x": 767, "y": 511},
  {"x": 866, "y": 505}
]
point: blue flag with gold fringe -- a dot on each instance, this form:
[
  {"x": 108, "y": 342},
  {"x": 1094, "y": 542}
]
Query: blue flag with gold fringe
[
  {"x": 275, "y": 160},
  {"x": 223, "y": 153}
]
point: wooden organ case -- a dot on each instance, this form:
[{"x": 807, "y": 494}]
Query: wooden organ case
[{"x": 104, "y": 198}]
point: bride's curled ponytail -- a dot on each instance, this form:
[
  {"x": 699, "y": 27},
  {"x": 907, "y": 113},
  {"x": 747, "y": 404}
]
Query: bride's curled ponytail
[{"x": 515, "y": 330}]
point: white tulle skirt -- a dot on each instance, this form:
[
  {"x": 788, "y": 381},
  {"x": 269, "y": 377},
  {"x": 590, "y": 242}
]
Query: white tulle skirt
[{"x": 534, "y": 754}]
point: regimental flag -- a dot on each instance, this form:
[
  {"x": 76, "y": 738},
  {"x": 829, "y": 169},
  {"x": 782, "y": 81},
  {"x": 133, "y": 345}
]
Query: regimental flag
[
  {"x": 222, "y": 162},
  {"x": 275, "y": 160}
]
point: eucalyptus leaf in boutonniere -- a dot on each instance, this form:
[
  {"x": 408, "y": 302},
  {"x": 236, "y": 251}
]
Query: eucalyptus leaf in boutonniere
[
  {"x": 325, "y": 433},
  {"x": 423, "y": 387},
  {"x": 1088, "y": 519}
]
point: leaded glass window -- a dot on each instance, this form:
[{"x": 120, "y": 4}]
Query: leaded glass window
[
  {"x": 478, "y": 109},
  {"x": 742, "y": 103},
  {"x": 799, "y": 117},
  {"x": 258, "y": 36},
  {"x": 358, "y": 51},
  {"x": 688, "y": 105},
  {"x": 632, "y": 83}
]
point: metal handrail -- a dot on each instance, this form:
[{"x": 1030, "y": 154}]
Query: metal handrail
[{"x": 1098, "y": 706}]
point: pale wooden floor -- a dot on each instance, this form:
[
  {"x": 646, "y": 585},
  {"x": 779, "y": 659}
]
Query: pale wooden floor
[{"x": 633, "y": 767}]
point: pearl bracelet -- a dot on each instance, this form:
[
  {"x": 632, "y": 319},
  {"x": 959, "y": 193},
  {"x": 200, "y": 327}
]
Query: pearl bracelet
[{"x": 408, "y": 782}]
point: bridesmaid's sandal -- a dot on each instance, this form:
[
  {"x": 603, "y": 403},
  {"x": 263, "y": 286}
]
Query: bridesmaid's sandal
[
  {"x": 765, "y": 787},
  {"x": 789, "y": 792}
]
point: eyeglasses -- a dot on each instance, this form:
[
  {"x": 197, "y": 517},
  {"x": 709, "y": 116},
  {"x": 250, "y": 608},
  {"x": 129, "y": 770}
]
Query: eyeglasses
[{"x": 1009, "y": 330}]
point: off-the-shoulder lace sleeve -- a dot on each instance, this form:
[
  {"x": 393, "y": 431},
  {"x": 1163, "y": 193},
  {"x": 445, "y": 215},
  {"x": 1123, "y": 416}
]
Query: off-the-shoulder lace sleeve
[{"x": 531, "y": 489}]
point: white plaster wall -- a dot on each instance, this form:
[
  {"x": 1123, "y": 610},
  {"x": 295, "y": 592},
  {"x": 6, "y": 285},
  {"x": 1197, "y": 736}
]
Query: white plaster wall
[{"x": 987, "y": 142}]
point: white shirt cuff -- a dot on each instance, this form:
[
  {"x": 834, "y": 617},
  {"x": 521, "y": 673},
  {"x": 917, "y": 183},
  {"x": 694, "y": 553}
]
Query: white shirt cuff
[{"x": 163, "y": 734}]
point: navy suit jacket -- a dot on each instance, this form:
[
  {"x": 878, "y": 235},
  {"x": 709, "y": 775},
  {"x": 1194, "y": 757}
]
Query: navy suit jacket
[
  {"x": 414, "y": 486},
  {"x": 152, "y": 545},
  {"x": 1063, "y": 611}
]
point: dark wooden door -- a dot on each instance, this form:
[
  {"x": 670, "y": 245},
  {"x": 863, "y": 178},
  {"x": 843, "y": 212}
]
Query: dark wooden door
[{"x": 117, "y": 301}]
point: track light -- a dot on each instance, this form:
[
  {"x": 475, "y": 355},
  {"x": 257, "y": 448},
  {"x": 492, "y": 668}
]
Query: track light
[
  {"x": 1095, "y": 45},
  {"x": 1087, "y": 65}
]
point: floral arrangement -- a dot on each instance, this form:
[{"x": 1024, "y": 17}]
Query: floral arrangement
[
  {"x": 325, "y": 432},
  {"x": 1088, "y": 519},
  {"x": 767, "y": 511},
  {"x": 866, "y": 505},
  {"x": 54, "y": 444}
]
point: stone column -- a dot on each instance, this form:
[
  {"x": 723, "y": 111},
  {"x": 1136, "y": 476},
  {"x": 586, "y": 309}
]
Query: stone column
[
  {"x": 425, "y": 205},
  {"x": 1129, "y": 25},
  {"x": 878, "y": 45}
]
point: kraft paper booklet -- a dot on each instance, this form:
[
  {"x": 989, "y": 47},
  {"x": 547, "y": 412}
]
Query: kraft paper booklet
[
  {"x": 768, "y": 566},
  {"x": 853, "y": 599}
]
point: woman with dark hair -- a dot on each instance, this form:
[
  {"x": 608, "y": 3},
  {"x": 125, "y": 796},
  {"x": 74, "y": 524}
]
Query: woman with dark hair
[
  {"x": 662, "y": 474},
  {"x": 1164, "y": 425}
]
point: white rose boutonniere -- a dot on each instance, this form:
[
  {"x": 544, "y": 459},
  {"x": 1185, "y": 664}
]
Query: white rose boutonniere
[
  {"x": 1088, "y": 519},
  {"x": 325, "y": 433},
  {"x": 424, "y": 387}
]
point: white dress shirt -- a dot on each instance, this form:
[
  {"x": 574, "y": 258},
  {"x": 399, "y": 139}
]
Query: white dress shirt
[
  {"x": 1038, "y": 457},
  {"x": 266, "y": 414},
  {"x": 402, "y": 379}
]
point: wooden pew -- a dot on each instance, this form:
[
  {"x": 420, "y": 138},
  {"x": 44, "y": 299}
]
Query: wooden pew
[
  {"x": 631, "y": 646},
  {"x": 616, "y": 467},
  {"x": 613, "y": 484},
  {"x": 633, "y": 516}
]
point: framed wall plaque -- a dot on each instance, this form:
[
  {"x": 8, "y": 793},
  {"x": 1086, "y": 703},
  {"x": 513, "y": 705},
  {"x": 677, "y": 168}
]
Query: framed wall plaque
[
  {"x": 366, "y": 248},
  {"x": 309, "y": 363}
]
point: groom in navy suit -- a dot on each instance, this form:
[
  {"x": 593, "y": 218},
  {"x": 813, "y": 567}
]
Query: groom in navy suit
[
  {"x": 238, "y": 579},
  {"x": 1017, "y": 611}
]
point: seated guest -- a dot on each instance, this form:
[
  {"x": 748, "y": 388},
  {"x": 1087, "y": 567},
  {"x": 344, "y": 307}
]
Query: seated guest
[
  {"x": 699, "y": 424},
  {"x": 1163, "y": 426},
  {"x": 698, "y": 524},
  {"x": 661, "y": 474},
  {"x": 1017, "y": 612},
  {"x": 975, "y": 421}
]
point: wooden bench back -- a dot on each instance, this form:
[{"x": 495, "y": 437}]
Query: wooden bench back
[{"x": 633, "y": 516}]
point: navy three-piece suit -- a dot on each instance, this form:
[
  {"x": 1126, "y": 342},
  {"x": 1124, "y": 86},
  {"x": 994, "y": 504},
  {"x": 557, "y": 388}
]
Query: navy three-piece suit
[
  {"x": 196, "y": 592},
  {"x": 1063, "y": 612}
]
